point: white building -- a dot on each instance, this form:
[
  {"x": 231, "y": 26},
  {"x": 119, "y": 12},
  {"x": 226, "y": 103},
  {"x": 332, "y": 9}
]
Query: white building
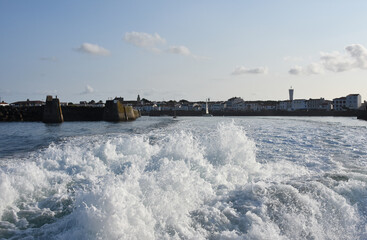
[
  {"x": 217, "y": 106},
  {"x": 339, "y": 104},
  {"x": 233, "y": 103},
  {"x": 327, "y": 105},
  {"x": 269, "y": 105},
  {"x": 315, "y": 104},
  {"x": 299, "y": 104},
  {"x": 253, "y": 106},
  {"x": 284, "y": 105},
  {"x": 353, "y": 101},
  {"x": 3, "y": 104}
]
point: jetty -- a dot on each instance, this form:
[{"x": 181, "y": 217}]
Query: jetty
[{"x": 53, "y": 112}]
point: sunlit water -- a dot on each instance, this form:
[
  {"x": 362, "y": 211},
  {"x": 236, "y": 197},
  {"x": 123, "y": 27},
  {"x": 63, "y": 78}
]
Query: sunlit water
[{"x": 190, "y": 178}]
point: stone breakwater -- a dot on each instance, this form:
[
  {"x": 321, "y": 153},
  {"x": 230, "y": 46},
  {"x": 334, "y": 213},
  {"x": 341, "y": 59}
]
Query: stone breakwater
[
  {"x": 52, "y": 112},
  {"x": 70, "y": 113},
  {"x": 16, "y": 114}
]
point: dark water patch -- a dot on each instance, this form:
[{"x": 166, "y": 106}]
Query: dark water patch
[{"x": 337, "y": 177}]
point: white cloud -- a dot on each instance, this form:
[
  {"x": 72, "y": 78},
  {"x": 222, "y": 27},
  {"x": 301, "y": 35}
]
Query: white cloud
[
  {"x": 145, "y": 40},
  {"x": 93, "y": 49},
  {"x": 313, "y": 68},
  {"x": 355, "y": 58},
  {"x": 243, "y": 70},
  {"x": 156, "y": 43},
  {"x": 336, "y": 62},
  {"x": 359, "y": 54},
  {"x": 296, "y": 70},
  {"x": 88, "y": 90},
  {"x": 181, "y": 50}
]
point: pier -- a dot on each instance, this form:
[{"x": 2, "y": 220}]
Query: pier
[{"x": 53, "y": 112}]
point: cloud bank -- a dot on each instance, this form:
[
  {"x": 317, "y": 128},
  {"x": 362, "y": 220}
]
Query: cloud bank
[
  {"x": 354, "y": 58},
  {"x": 243, "y": 70},
  {"x": 93, "y": 49}
]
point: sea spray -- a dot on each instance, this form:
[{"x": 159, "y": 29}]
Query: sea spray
[{"x": 191, "y": 179}]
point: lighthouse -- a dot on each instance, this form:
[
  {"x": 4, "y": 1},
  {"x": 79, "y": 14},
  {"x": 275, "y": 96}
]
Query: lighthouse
[{"x": 291, "y": 90}]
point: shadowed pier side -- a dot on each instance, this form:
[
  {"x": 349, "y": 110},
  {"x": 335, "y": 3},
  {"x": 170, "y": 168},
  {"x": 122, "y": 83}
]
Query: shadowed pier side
[{"x": 52, "y": 112}]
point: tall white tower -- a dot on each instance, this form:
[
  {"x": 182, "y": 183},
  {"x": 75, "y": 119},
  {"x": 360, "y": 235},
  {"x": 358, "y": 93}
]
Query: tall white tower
[{"x": 291, "y": 90}]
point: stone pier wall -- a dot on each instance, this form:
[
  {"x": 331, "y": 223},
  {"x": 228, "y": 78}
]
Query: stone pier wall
[{"x": 52, "y": 111}]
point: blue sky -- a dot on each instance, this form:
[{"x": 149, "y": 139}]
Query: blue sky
[{"x": 84, "y": 50}]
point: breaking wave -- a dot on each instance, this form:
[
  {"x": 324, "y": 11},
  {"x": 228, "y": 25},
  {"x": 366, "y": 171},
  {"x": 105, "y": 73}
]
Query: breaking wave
[{"x": 186, "y": 181}]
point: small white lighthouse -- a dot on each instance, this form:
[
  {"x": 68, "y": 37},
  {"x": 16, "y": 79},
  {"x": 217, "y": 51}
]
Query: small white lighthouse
[{"x": 291, "y": 90}]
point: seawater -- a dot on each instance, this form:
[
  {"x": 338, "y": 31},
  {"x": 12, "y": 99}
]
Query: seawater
[{"x": 189, "y": 178}]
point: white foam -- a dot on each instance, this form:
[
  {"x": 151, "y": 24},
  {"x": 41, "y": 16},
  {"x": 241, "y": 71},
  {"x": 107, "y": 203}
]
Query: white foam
[{"x": 191, "y": 180}]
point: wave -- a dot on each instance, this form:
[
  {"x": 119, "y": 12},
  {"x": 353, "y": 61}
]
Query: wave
[{"x": 175, "y": 183}]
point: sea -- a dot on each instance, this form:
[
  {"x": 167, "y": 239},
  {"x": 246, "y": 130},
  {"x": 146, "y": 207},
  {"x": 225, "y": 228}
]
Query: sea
[{"x": 185, "y": 178}]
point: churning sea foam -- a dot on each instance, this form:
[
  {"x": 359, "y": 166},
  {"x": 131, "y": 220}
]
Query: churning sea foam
[{"x": 186, "y": 181}]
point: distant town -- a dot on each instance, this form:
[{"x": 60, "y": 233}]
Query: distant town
[{"x": 234, "y": 104}]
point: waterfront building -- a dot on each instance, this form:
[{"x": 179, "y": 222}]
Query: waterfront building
[
  {"x": 327, "y": 105},
  {"x": 284, "y": 105},
  {"x": 145, "y": 108},
  {"x": 3, "y": 104},
  {"x": 28, "y": 103},
  {"x": 196, "y": 107},
  {"x": 269, "y": 105},
  {"x": 241, "y": 106},
  {"x": 232, "y": 103},
  {"x": 315, "y": 104},
  {"x": 183, "y": 107},
  {"x": 299, "y": 104},
  {"x": 216, "y": 106},
  {"x": 353, "y": 101},
  {"x": 339, "y": 104},
  {"x": 253, "y": 106},
  {"x": 83, "y": 103}
]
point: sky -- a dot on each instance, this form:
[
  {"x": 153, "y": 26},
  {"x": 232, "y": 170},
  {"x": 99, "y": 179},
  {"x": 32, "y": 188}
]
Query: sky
[{"x": 172, "y": 50}]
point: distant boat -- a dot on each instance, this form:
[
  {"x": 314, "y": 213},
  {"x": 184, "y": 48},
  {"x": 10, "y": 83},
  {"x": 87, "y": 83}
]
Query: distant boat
[{"x": 207, "y": 114}]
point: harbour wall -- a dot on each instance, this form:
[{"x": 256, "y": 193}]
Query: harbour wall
[
  {"x": 85, "y": 113},
  {"x": 16, "y": 114},
  {"x": 69, "y": 113},
  {"x": 315, "y": 113},
  {"x": 52, "y": 112}
]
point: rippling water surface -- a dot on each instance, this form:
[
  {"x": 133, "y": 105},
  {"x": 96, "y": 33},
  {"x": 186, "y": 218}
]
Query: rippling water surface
[{"x": 190, "y": 178}]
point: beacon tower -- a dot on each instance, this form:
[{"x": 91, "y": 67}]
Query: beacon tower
[{"x": 291, "y": 90}]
